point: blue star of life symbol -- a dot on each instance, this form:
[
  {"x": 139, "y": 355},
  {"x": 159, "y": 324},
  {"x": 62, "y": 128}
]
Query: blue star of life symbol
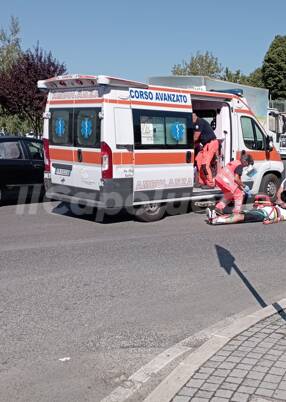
[
  {"x": 86, "y": 128},
  {"x": 60, "y": 127},
  {"x": 178, "y": 130}
]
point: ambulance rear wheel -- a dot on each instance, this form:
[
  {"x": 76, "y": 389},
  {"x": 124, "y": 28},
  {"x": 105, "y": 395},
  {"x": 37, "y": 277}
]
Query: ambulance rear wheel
[
  {"x": 270, "y": 185},
  {"x": 150, "y": 212}
]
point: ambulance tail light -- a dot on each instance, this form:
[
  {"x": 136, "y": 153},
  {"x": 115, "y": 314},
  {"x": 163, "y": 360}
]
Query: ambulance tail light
[
  {"x": 106, "y": 161},
  {"x": 47, "y": 159}
]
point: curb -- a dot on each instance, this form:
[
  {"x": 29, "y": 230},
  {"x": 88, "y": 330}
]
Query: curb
[{"x": 171, "y": 385}]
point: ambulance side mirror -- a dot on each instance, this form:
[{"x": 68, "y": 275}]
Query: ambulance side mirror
[{"x": 269, "y": 143}]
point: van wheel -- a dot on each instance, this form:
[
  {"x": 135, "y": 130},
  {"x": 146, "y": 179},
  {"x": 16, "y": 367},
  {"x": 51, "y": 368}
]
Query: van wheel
[
  {"x": 150, "y": 212},
  {"x": 270, "y": 185}
]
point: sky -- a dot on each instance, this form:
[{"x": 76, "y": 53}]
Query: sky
[{"x": 139, "y": 39}]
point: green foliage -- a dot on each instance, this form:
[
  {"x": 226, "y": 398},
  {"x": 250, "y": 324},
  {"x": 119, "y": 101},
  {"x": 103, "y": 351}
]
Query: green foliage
[
  {"x": 19, "y": 94},
  {"x": 200, "y": 64},
  {"x": 274, "y": 68},
  {"x": 10, "y": 41},
  {"x": 255, "y": 78},
  {"x": 208, "y": 65},
  {"x": 235, "y": 76},
  {"x": 13, "y": 125}
]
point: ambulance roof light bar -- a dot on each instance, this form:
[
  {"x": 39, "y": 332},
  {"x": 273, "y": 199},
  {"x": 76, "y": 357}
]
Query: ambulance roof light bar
[{"x": 235, "y": 91}]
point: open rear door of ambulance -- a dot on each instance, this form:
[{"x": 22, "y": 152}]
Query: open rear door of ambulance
[{"x": 163, "y": 149}]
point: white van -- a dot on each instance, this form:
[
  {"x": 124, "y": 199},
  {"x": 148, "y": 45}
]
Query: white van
[{"x": 115, "y": 143}]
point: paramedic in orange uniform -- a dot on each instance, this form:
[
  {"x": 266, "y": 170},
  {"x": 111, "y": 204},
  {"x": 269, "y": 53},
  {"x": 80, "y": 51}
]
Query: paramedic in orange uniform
[
  {"x": 229, "y": 181},
  {"x": 204, "y": 135}
]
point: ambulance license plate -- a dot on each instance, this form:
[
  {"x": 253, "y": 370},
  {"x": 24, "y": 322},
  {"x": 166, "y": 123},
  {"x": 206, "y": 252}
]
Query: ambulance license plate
[{"x": 63, "y": 172}]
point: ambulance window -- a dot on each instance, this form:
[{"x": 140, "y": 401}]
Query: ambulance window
[
  {"x": 252, "y": 135},
  {"x": 87, "y": 127},
  {"x": 260, "y": 138},
  {"x": 61, "y": 126},
  {"x": 248, "y": 132},
  {"x": 152, "y": 130},
  {"x": 176, "y": 130},
  {"x": 162, "y": 129}
]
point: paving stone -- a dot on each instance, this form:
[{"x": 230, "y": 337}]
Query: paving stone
[
  {"x": 224, "y": 353},
  {"x": 229, "y": 347},
  {"x": 206, "y": 370},
  {"x": 244, "y": 349},
  {"x": 235, "y": 380},
  {"x": 208, "y": 386},
  {"x": 196, "y": 399},
  {"x": 264, "y": 392},
  {"x": 238, "y": 373},
  {"x": 204, "y": 394},
  {"x": 255, "y": 355},
  {"x": 246, "y": 389},
  {"x": 218, "y": 399},
  {"x": 266, "y": 345},
  {"x": 241, "y": 366},
  {"x": 268, "y": 385},
  {"x": 224, "y": 393},
  {"x": 272, "y": 378},
  {"x": 230, "y": 386},
  {"x": 221, "y": 372},
  {"x": 181, "y": 399},
  {"x": 212, "y": 364},
  {"x": 277, "y": 370},
  {"x": 233, "y": 359},
  {"x": 239, "y": 397},
  {"x": 215, "y": 380},
  {"x": 216, "y": 358},
  {"x": 249, "y": 361},
  {"x": 280, "y": 394},
  {"x": 268, "y": 356},
  {"x": 186, "y": 391},
  {"x": 255, "y": 375},
  {"x": 200, "y": 376},
  {"x": 259, "y": 350},
  {"x": 280, "y": 363},
  {"x": 282, "y": 385},
  {"x": 195, "y": 383},
  {"x": 240, "y": 353},
  {"x": 250, "y": 382},
  {"x": 274, "y": 352},
  {"x": 227, "y": 365},
  {"x": 265, "y": 363},
  {"x": 249, "y": 345},
  {"x": 261, "y": 369}
]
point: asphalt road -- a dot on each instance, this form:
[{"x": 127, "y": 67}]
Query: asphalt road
[{"x": 111, "y": 296}]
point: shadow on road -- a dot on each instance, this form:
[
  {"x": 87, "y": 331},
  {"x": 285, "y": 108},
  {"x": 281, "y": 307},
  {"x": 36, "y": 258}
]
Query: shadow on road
[
  {"x": 92, "y": 214},
  {"x": 227, "y": 262}
]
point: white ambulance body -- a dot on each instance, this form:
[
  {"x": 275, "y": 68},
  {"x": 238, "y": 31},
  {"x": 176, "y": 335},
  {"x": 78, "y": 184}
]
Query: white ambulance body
[{"x": 114, "y": 143}]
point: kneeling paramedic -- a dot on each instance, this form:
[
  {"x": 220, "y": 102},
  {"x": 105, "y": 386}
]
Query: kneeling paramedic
[
  {"x": 204, "y": 135},
  {"x": 229, "y": 181}
]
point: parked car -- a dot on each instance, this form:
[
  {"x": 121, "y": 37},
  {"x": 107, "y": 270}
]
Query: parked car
[{"x": 21, "y": 164}]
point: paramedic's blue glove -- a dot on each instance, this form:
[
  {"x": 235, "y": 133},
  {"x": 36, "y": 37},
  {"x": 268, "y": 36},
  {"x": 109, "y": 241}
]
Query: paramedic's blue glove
[{"x": 247, "y": 191}]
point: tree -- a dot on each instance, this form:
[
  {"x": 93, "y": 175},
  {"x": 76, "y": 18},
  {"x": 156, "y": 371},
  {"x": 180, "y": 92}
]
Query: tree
[
  {"x": 255, "y": 78},
  {"x": 274, "y": 68},
  {"x": 10, "y": 41},
  {"x": 19, "y": 94},
  {"x": 200, "y": 64},
  {"x": 235, "y": 76}
]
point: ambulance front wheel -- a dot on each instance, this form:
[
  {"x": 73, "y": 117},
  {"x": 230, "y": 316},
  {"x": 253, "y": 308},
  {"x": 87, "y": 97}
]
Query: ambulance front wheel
[
  {"x": 150, "y": 212},
  {"x": 270, "y": 185}
]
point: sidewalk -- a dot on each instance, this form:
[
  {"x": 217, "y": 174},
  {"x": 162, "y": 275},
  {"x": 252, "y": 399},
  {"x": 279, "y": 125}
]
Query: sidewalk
[{"x": 250, "y": 367}]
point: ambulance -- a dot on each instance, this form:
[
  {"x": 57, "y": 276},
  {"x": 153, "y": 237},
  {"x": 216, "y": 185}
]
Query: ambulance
[{"x": 113, "y": 143}]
